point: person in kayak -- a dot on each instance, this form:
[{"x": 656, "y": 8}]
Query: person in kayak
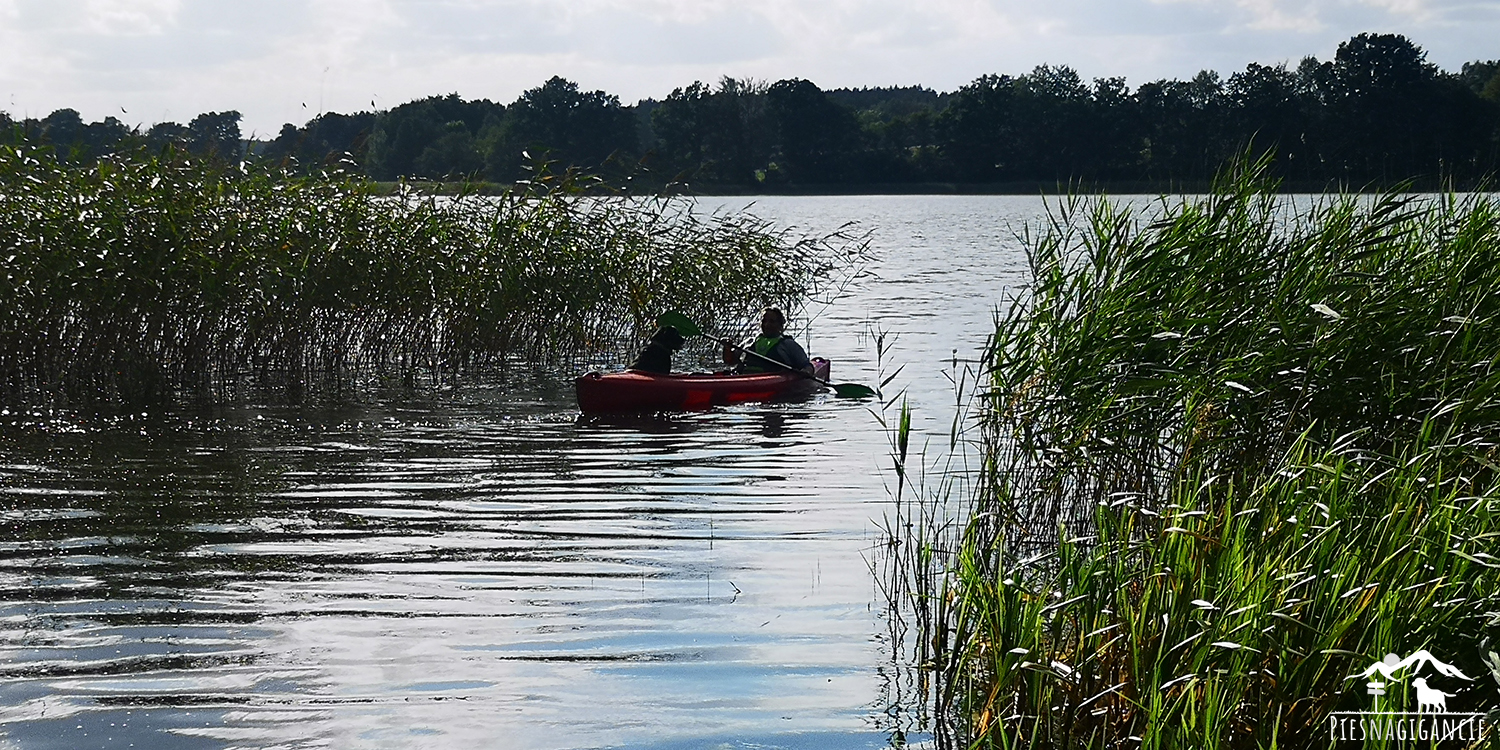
[
  {"x": 656, "y": 355},
  {"x": 772, "y": 343}
]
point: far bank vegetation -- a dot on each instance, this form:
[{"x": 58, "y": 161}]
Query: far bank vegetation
[{"x": 1376, "y": 114}]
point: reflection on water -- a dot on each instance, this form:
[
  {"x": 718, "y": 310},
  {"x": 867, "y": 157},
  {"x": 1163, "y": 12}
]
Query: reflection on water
[
  {"x": 488, "y": 569},
  {"x": 284, "y": 578}
]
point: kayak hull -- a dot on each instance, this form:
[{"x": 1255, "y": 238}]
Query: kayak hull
[{"x": 634, "y": 391}]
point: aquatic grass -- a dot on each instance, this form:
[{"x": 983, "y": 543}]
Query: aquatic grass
[
  {"x": 152, "y": 275},
  {"x": 1220, "y": 329},
  {"x": 1233, "y": 617},
  {"x": 1232, "y": 452},
  {"x": 917, "y": 533}
]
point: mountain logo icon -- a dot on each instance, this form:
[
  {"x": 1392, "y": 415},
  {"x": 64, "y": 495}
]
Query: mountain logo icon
[{"x": 1392, "y": 664}]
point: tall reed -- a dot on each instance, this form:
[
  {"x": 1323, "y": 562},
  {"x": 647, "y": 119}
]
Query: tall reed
[
  {"x": 153, "y": 274},
  {"x": 1233, "y": 452}
]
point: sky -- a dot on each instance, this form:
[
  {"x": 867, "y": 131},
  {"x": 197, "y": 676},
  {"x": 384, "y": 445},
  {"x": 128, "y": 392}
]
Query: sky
[{"x": 278, "y": 61}]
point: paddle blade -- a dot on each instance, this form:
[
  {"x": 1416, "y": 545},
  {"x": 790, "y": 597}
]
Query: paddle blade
[
  {"x": 682, "y": 323},
  {"x": 852, "y": 390}
]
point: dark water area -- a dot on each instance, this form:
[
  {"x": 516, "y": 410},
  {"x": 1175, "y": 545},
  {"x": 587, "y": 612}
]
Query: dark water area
[{"x": 485, "y": 568}]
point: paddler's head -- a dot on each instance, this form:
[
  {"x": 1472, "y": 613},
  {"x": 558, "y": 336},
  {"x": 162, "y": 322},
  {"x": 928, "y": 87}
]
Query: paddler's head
[{"x": 772, "y": 322}]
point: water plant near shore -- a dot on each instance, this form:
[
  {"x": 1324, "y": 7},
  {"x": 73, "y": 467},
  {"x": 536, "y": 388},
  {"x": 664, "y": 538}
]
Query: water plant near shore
[
  {"x": 1233, "y": 450},
  {"x": 153, "y": 274}
]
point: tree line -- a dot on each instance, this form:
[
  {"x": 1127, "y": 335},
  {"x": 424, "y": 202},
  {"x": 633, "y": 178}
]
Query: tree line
[{"x": 1378, "y": 112}]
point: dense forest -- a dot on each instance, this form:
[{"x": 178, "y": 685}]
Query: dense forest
[{"x": 1377, "y": 113}]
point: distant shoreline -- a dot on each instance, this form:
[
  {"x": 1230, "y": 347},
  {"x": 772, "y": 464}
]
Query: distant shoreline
[{"x": 1102, "y": 187}]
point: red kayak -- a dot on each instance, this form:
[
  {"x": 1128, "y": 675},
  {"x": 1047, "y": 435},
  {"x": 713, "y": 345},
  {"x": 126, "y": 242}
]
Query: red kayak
[{"x": 635, "y": 391}]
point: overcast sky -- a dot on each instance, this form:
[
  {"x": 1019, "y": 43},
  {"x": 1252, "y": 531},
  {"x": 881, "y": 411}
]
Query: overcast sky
[{"x": 278, "y": 61}]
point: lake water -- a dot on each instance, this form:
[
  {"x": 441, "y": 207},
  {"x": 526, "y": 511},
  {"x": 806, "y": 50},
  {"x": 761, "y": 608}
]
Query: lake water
[{"x": 482, "y": 568}]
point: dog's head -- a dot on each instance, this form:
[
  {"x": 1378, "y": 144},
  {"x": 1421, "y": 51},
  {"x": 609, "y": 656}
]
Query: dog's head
[{"x": 668, "y": 338}]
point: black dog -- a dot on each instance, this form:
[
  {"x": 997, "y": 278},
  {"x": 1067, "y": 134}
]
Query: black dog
[{"x": 656, "y": 356}]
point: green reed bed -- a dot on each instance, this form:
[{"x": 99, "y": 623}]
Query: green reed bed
[
  {"x": 152, "y": 275},
  {"x": 1233, "y": 452}
]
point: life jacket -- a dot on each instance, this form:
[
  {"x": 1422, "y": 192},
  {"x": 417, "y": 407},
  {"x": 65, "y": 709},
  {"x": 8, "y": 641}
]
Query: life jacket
[{"x": 763, "y": 346}]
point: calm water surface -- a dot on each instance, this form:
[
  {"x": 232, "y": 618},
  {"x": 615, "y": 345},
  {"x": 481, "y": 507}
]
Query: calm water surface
[{"x": 482, "y": 568}]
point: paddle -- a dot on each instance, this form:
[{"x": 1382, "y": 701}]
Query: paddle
[{"x": 687, "y": 327}]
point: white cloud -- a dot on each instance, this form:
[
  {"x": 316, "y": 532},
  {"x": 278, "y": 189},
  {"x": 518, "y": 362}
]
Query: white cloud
[
  {"x": 1271, "y": 15},
  {"x": 1261, "y": 15},
  {"x": 129, "y": 17},
  {"x": 1415, "y": 9}
]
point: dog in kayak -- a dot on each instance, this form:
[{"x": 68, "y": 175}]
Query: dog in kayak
[{"x": 656, "y": 355}]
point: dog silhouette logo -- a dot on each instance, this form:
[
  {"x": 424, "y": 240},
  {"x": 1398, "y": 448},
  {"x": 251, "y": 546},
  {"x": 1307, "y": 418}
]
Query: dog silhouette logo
[{"x": 1430, "y": 699}]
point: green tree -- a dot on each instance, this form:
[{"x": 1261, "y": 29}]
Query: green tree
[
  {"x": 1483, "y": 78},
  {"x": 720, "y": 135},
  {"x": 1047, "y": 125},
  {"x": 63, "y": 129},
  {"x": 1054, "y": 126},
  {"x": 215, "y": 134},
  {"x": 1183, "y": 122},
  {"x": 453, "y": 154},
  {"x": 818, "y": 140},
  {"x": 978, "y": 129},
  {"x": 1269, "y": 107},
  {"x": 324, "y": 139},
  {"x": 1380, "y": 94},
  {"x": 106, "y": 135},
  {"x": 559, "y": 122},
  {"x": 433, "y": 138},
  {"x": 163, "y": 134}
]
